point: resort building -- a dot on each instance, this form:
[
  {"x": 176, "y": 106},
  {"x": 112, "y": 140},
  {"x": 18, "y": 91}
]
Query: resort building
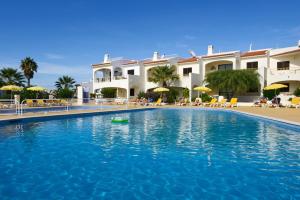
[{"x": 130, "y": 77}]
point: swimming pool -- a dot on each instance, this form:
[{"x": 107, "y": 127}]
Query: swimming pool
[
  {"x": 56, "y": 109},
  {"x": 159, "y": 154}
]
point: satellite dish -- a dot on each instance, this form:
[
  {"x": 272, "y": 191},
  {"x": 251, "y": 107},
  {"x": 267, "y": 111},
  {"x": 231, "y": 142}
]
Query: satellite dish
[{"x": 192, "y": 53}]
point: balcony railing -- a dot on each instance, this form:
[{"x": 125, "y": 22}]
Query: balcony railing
[
  {"x": 104, "y": 79},
  {"x": 119, "y": 77}
]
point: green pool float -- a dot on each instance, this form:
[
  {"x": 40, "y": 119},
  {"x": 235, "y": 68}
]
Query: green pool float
[{"x": 119, "y": 120}]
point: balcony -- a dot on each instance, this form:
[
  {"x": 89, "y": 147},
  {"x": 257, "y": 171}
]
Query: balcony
[
  {"x": 274, "y": 75},
  {"x": 117, "y": 82}
]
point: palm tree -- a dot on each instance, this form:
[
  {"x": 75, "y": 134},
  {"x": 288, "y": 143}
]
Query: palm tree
[
  {"x": 65, "y": 82},
  {"x": 29, "y": 67},
  {"x": 234, "y": 81},
  {"x": 11, "y": 76},
  {"x": 163, "y": 75}
]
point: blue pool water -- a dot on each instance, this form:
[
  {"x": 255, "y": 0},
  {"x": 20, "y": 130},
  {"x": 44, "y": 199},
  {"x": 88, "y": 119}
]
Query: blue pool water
[
  {"x": 55, "y": 109},
  {"x": 159, "y": 154}
]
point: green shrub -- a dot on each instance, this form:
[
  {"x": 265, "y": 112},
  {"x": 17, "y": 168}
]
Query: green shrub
[
  {"x": 186, "y": 93},
  {"x": 141, "y": 94},
  {"x": 172, "y": 95},
  {"x": 297, "y": 92},
  {"x": 206, "y": 98},
  {"x": 270, "y": 94},
  {"x": 92, "y": 95},
  {"x": 108, "y": 92},
  {"x": 64, "y": 93}
]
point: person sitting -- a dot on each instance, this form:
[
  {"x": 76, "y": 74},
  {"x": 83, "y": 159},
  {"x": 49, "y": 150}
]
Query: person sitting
[
  {"x": 262, "y": 101},
  {"x": 275, "y": 102},
  {"x": 197, "y": 102}
]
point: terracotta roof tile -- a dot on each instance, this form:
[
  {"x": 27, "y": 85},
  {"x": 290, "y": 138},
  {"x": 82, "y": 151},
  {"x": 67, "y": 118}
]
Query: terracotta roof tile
[
  {"x": 188, "y": 60},
  {"x": 101, "y": 64},
  {"x": 155, "y": 62},
  {"x": 218, "y": 55},
  {"x": 130, "y": 62},
  {"x": 254, "y": 53}
]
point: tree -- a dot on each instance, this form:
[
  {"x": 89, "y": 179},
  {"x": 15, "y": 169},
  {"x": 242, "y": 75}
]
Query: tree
[
  {"x": 65, "y": 82},
  {"x": 29, "y": 67},
  {"x": 11, "y": 76},
  {"x": 163, "y": 75},
  {"x": 234, "y": 81}
]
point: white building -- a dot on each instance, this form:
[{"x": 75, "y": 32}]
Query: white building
[{"x": 130, "y": 77}]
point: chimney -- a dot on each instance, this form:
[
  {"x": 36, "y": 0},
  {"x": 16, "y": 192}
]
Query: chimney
[
  {"x": 106, "y": 58},
  {"x": 210, "y": 49},
  {"x": 155, "y": 56}
]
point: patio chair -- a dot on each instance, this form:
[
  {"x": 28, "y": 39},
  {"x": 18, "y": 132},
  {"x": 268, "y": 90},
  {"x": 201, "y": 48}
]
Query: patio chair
[
  {"x": 29, "y": 102},
  {"x": 212, "y": 103},
  {"x": 233, "y": 102},
  {"x": 158, "y": 102},
  {"x": 222, "y": 103},
  {"x": 197, "y": 102},
  {"x": 40, "y": 103},
  {"x": 295, "y": 102}
]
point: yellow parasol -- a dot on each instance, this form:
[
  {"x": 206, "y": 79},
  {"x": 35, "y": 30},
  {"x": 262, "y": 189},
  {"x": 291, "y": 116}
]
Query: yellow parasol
[
  {"x": 202, "y": 89},
  {"x": 11, "y": 88},
  {"x": 275, "y": 87},
  {"x": 161, "y": 89},
  {"x": 37, "y": 89}
]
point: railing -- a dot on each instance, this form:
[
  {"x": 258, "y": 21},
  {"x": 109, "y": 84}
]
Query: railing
[
  {"x": 46, "y": 106},
  {"x": 105, "y": 79}
]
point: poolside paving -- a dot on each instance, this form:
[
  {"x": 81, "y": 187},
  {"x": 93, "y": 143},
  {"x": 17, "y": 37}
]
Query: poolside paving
[{"x": 290, "y": 115}]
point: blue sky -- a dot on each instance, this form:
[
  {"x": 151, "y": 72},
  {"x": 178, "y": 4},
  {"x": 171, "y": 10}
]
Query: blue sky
[{"x": 66, "y": 36}]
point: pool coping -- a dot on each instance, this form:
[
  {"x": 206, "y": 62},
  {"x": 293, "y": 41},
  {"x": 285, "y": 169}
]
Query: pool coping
[
  {"x": 278, "y": 120},
  {"x": 63, "y": 115},
  {"x": 267, "y": 117}
]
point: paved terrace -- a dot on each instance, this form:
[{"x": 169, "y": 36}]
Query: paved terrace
[{"x": 289, "y": 115}]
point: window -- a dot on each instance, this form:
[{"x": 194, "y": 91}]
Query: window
[
  {"x": 131, "y": 92},
  {"x": 285, "y": 65},
  {"x": 131, "y": 72},
  {"x": 252, "y": 65},
  {"x": 225, "y": 67},
  {"x": 186, "y": 71}
]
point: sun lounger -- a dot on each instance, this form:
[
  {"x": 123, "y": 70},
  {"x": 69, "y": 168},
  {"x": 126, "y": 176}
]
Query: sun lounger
[
  {"x": 295, "y": 102},
  {"x": 233, "y": 102},
  {"x": 29, "y": 102},
  {"x": 212, "y": 103},
  {"x": 3, "y": 105},
  {"x": 183, "y": 102},
  {"x": 158, "y": 102},
  {"x": 40, "y": 103},
  {"x": 222, "y": 103},
  {"x": 63, "y": 102},
  {"x": 197, "y": 102}
]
